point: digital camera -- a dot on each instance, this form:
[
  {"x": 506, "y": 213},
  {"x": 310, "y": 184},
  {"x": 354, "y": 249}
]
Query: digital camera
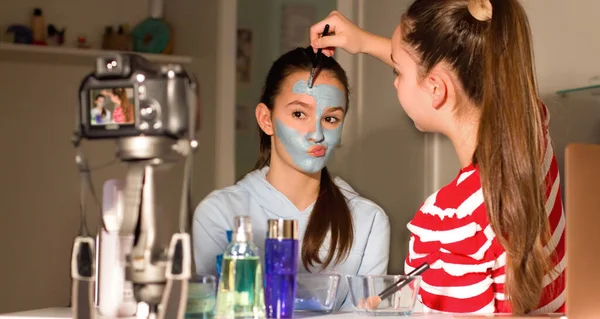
[{"x": 128, "y": 96}]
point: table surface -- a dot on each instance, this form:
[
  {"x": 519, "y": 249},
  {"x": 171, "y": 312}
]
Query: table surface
[{"x": 65, "y": 313}]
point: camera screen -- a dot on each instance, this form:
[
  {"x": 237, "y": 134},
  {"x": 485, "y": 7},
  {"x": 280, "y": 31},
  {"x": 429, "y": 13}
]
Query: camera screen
[{"x": 112, "y": 106}]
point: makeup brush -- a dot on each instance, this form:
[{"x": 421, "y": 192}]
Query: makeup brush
[
  {"x": 316, "y": 59},
  {"x": 374, "y": 301}
]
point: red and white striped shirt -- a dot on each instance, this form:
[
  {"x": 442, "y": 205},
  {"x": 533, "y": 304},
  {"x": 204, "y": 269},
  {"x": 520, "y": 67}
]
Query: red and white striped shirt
[{"x": 452, "y": 233}]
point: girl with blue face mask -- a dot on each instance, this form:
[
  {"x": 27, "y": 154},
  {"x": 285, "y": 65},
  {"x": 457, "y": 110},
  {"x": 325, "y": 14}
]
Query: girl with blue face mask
[{"x": 300, "y": 127}]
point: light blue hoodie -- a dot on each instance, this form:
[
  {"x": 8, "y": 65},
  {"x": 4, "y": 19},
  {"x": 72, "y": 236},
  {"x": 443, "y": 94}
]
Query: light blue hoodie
[{"x": 256, "y": 197}]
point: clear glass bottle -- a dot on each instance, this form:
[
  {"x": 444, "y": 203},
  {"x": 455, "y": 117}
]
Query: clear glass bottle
[{"x": 241, "y": 293}]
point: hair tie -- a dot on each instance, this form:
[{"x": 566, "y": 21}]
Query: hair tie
[{"x": 480, "y": 9}]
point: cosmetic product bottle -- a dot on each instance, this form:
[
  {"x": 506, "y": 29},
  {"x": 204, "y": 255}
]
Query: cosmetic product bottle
[
  {"x": 122, "y": 40},
  {"x": 281, "y": 267},
  {"x": 241, "y": 293},
  {"x": 107, "y": 38},
  {"x": 38, "y": 27}
]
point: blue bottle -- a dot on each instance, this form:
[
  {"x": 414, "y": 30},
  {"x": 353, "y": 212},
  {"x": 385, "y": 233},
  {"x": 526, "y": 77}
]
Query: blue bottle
[{"x": 281, "y": 267}]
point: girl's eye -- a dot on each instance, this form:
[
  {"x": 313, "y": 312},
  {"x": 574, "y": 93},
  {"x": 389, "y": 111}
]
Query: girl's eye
[
  {"x": 331, "y": 119},
  {"x": 298, "y": 114},
  {"x": 396, "y": 73}
]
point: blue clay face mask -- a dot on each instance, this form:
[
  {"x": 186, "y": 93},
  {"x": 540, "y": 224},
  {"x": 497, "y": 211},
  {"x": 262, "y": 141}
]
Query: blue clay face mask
[{"x": 311, "y": 151}]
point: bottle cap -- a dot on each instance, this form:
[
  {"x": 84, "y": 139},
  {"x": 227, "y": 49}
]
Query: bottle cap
[
  {"x": 282, "y": 229},
  {"x": 242, "y": 224}
]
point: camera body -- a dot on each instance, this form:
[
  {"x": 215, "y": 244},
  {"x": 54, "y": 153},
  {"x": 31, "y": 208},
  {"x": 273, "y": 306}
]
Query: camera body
[{"x": 128, "y": 96}]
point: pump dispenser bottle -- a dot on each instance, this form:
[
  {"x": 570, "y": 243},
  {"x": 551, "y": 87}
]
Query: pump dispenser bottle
[{"x": 240, "y": 293}]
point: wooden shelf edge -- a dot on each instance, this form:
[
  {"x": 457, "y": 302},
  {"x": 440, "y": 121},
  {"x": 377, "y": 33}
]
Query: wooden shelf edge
[{"x": 91, "y": 53}]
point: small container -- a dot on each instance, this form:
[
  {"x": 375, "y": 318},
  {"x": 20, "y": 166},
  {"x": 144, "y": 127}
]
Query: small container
[
  {"x": 281, "y": 267},
  {"x": 107, "y": 38},
  {"x": 38, "y": 27},
  {"x": 122, "y": 40},
  {"x": 202, "y": 296},
  {"x": 316, "y": 292},
  {"x": 400, "y": 303}
]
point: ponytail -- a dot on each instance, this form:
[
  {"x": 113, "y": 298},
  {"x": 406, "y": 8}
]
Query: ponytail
[
  {"x": 330, "y": 214},
  {"x": 509, "y": 153}
]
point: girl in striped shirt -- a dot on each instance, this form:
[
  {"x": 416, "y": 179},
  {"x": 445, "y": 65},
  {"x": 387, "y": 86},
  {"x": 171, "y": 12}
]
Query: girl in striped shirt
[{"x": 494, "y": 236}]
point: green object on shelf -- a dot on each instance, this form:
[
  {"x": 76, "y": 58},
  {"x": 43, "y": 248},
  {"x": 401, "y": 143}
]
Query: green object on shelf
[
  {"x": 592, "y": 89},
  {"x": 151, "y": 36}
]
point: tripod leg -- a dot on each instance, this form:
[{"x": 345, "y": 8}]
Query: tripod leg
[
  {"x": 82, "y": 273},
  {"x": 178, "y": 273}
]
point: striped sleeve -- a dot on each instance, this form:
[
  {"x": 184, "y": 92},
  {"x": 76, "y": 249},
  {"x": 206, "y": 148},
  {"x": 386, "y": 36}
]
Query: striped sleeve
[
  {"x": 553, "y": 298},
  {"x": 452, "y": 234}
]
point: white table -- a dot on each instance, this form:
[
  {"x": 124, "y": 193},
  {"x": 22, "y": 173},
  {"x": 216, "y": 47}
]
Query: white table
[{"x": 65, "y": 313}]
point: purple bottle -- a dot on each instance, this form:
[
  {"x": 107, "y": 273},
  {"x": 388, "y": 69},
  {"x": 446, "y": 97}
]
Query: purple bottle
[{"x": 281, "y": 267}]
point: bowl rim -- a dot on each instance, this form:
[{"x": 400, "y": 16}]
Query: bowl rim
[
  {"x": 381, "y": 276},
  {"x": 307, "y": 274}
]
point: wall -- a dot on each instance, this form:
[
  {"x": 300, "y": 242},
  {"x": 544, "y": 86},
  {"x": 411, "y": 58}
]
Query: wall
[
  {"x": 39, "y": 184},
  {"x": 567, "y": 51},
  {"x": 263, "y": 18}
]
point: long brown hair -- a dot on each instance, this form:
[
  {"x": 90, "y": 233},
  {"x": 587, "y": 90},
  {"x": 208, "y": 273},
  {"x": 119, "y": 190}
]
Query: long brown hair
[
  {"x": 125, "y": 105},
  {"x": 331, "y": 212},
  {"x": 488, "y": 44}
]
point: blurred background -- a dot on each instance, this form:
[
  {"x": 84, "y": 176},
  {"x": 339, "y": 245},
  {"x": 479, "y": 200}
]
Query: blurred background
[{"x": 229, "y": 45}]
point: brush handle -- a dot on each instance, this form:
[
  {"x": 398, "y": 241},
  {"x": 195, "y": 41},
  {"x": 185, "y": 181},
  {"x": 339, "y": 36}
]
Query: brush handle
[
  {"x": 319, "y": 51},
  {"x": 403, "y": 282}
]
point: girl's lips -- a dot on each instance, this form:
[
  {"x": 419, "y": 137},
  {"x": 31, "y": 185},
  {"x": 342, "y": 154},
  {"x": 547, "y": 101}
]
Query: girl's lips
[{"x": 317, "y": 151}]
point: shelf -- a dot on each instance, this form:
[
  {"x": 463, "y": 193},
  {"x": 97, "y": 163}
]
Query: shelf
[
  {"x": 592, "y": 90},
  {"x": 70, "y": 55}
]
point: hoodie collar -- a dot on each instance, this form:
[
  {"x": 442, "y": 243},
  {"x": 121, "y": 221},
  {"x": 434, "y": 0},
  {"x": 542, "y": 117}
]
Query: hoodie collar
[{"x": 269, "y": 198}]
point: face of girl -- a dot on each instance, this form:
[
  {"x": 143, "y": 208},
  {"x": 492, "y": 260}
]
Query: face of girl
[
  {"x": 115, "y": 99},
  {"x": 308, "y": 121},
  {"x": 100, "y": 102}
]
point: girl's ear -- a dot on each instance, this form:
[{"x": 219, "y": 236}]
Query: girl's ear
[
  {"x": 437, "y": 84},
  {"x": 263, "y": 117}
]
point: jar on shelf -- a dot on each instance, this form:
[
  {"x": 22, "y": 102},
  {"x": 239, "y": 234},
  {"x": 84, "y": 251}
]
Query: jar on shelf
[{"x": 82, "y": 42}]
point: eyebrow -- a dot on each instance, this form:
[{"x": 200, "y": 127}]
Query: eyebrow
[
  {"x": 296, "y": 102},
  {"x": 333, "y": 109}
]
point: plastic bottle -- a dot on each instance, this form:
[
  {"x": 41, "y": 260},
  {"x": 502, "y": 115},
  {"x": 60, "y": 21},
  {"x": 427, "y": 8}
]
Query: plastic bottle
[{"x": 38, "y": 27}]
